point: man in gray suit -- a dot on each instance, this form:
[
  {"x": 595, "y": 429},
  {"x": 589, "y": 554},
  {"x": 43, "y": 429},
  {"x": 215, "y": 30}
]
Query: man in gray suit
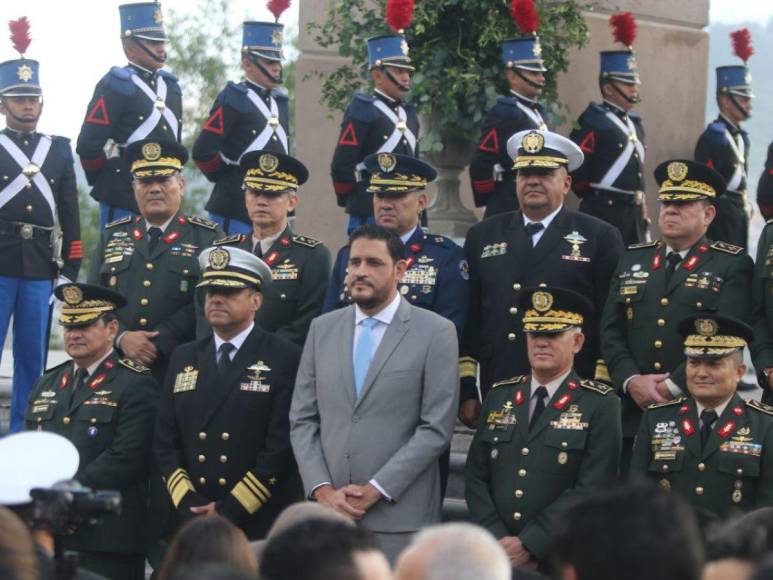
[{"x": 376, "y": 398}]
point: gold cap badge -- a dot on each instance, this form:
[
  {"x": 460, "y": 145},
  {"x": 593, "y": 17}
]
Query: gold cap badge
[
  {"x": 542, "y": 301},
  {"x": 219, "y": 259},
  {"x": 677, "y": 171},
  {"x": 72, "y": 295},
  {"x": 151, "y": 151},
  {"x": 387, "y": 162},
  {"x": 268, "y": 162},
  {"x": 533, "y": 142},
  {"x": 706, "y": 327}
]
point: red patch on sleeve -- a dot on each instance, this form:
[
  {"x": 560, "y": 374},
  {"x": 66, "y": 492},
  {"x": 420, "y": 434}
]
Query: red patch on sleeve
[
  {"x": 98, "y": 114},
  {"x": 76, "y": 250},
  {"x": 710, "y": 163},
  {"x": 588, "y": 143},
  {"x": 349, "y": 136},
  {"x": 211, "y": 165},
  {"x": 483, "y": 186},
  {"x": 490, "y": 143},
  {"x": 93, "y": 164},
  {"x": 215, "y": 122},
  {"x": 342, "y": 188}
]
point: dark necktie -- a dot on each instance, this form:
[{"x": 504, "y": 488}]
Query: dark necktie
[
  {"x": 224, "y": 358},
  {"x": 673, "y": 260},
  {"x": 532, "y": 229},
  {"x": 259, "y": 250},
  {"x": 541, "y": 394},
  {"x": 80, "y": 377},
  {"x": 153, "y": 233},
  {"x": 708, "y": 417}
]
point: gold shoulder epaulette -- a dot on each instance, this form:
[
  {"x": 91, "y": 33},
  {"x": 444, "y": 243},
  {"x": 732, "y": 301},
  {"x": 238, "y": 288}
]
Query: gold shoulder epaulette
[
  {"x": 727, "y": 248},
  {"x": 511, "y": 381},
  {"x": 596, "y": 386},
  {"x": 135, "y": 366},
  {"x": 203, "y": 222},
  {"x": 677, "y": 401},
  {"x": 642, "y": 245},
  {"x": 762, "y": 407},
  {"x": 306, "y": 241},
  {"x": 234, "y": 239},
  {"x": 124, "y": 220}
]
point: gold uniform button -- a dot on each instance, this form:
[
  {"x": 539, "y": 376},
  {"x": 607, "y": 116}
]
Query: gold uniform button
[
  {"x": 143, "y": 321},
  {"x": 525, "y": 451},
  {"x": 516, "y": 287},
  {"x": 144, "y": 302},
  {"x": 701, "y": 467},
  {"x": 564, "y": 444},
  {"x": 511, "y": 336},
  {"x": 93, "y": 420},
  {"x": 149, "y": 266},
  {"x": 222, "y": 481},
  {"x": 202, "y": 436},
  {"x": 664, "y": 301},
  {"x": 658, "y": 344},
  {"x": 202, "y": 458},
  {"x": 203, "y": 480},
  {"x": 661, "y": 322},
  {"x": 657, "y": 366},
  {"x": 699, "y": 304},
  {"x": 665, "y": 468},
  {"x": 699, "y": 490},
  {"x": 66, "y": 420},
  {"x": 29, "y": 208},
  {"x": 223, "y": 459},
  {"x": 146, "y": 283},
  {"x": 283, "y": 296},
  {"x": 518, "y": 493},
  {"x": 225, "y": 436},
  {"x": 513, "y": 310},
  {"x": 517, "y": 516},
  {"x": 739, "y": 471},
  {"x": 521, "y": 473}
]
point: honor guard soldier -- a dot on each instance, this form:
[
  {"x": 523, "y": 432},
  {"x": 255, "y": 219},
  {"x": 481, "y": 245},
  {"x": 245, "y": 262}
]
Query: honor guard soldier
[
  {"x": 437, "y": 274},
  {"x": 106, "y": 406},
  {"x": 222, "y": 438},
  {"x": 544, "y": 438},
  {"x": 378, "y": 123},
  {"x": 724, "y": 145},
  {"x": 657, "y": 284},
  {"x": 762, "y": 313},
  {"x": 37, "y": 190},
  {"x": 252, "y": 115},
  {"x": 610, "y": 182},
  {"x": 151, "y": 259},
  {"x": 300, "y": 265},
  {"x": 491, "y": 172},
  {"x": 130, "y": 103},
  {"x": 712, "y": 447},
  {"x": 543, "y": 242}
]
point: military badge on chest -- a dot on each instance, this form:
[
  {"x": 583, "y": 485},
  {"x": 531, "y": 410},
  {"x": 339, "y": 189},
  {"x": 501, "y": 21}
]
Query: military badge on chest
[
  {"x": 502, "y": 419},
  {"x": 491, "y": 250},
  {"x": 571, "y": 420},
  {"x": 285, "y": 271},
  {"x": 666, "y": 441},
  {"x": 185, "y": 380},
  {"x": 256, "y": 381},
  {"x": 575, "y": 240},
  {"x": 742, "y": 443}
]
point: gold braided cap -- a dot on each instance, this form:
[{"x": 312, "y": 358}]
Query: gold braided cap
[
  {"x": 547, "y": 161},
  {"x": 550, "y": 321}
]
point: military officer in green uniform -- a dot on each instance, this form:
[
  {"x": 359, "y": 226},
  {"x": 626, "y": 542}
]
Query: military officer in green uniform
[
  {"x": 657, "y": 284},
  {"x": 712, "y": 447},
  {"x": 105, "y": 405},
  {"x": 222, "y": 439},
  {"x": 543, "y": 438},
  {"x": 300, "y": 265},
  {"x": 152, "y": 259},
  {"x": 762, "y": 304}
]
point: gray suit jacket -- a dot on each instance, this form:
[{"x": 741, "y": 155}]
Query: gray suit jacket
[{"x": 399, "y": 426}]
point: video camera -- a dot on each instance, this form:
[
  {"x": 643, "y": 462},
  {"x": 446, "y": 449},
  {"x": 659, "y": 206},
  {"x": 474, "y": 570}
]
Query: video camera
[{"x": 69, "y": 505}]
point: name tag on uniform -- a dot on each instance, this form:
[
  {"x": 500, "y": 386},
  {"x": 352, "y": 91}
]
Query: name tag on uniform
[
  {"x": 185, "y": 380},
  {"x": 255, "y": 387}
]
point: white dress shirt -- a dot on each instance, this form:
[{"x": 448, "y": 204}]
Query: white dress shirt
[
  {"x": 552, "y": 387},
  {"x": 162, "y": 227},
  {"x": 719, "y": 409},
  {"x": 407, "y": 236},
  {"x": 265, "y": 243},
  {"x": 237, "y": 341},
  {"x": 91, "y": 368},
  {"x": 545, "y": 223}
]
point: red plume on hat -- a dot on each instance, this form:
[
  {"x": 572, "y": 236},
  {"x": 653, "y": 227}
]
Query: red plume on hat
[
  {"x": 20, "y": 34},
  {"x": 742, "y": 43},
  {"x": 525, "y": 15},
  {"x": 399, "y": 14},
  {"x": 623, "y": 28},
  {"x": 276, "y": 7}
]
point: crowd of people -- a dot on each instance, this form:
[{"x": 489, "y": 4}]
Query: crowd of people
[{"x": 237, "y": 404}]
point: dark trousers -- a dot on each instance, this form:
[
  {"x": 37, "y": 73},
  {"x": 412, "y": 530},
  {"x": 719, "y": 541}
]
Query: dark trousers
[
  {"x": 113, "y": 565},
  {"x": 626, "y": 216}
]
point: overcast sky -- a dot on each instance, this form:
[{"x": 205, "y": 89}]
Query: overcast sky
[{"x": 78, "y": 41}]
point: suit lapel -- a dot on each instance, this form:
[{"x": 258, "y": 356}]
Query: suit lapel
[
  {"x": 280, "y": 249},
  {"x": 726, "y": 425},
  {"x": 551, "y": 238},
  {"x": 696, "y": 258},
  {"x": 207, "y": 379},
  {"x": 558, "y": 403},
  {"x": 392, "y": 337},
  {"x": 102, "y": 375},
  {"x": 522, "y": 409},
  {"x": 346, "y": 352},
  {"x": 690, "y": 428},
  {"x": 140, "y": 236}
]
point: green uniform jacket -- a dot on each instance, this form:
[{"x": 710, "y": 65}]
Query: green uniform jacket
[
  {"x": 300, "y": 272},
  {"x": 762, "y": 304},
  {"x": 519, "y": 481},
  {"x": 732, "y": 473},
  {"x": 159, "y": 286},
  {"x": 110, "y": 420},
  {"x": 639, "y": 323}
]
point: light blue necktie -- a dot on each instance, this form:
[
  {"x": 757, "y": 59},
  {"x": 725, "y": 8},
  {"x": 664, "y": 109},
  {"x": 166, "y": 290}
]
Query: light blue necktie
[{"x": 363, "y": 353}]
